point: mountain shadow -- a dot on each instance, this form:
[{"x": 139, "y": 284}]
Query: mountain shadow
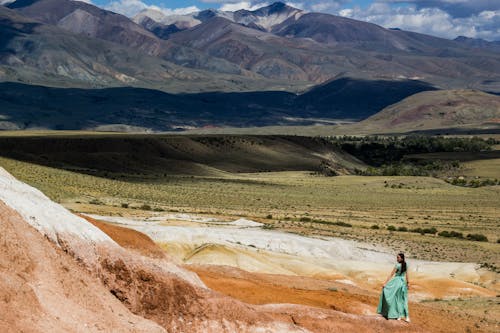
[{"x": 26, "y": 106}]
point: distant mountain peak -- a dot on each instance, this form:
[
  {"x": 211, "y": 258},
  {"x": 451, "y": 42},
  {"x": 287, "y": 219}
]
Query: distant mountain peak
[
  {"x": 465, "y": 38},
  {"x": 478, "y": 43},
  {"x": 265, "y": 18},
  {"x": 276, "y": 7}
]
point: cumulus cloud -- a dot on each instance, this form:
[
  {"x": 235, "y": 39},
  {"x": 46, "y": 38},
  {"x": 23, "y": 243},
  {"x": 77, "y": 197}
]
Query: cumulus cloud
[
  {"x": 316, "y": 6},
  {"x": 132, "y": 7},
  {"x": 443, "y": 18},
  {"x": 248, "y": 5},
  {"x": 456, "y": 8},
  {"x": 429, "y": 20}
]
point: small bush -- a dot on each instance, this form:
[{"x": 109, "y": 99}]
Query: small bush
[
  {"x": 124, "y": 205},
  {"x": 391, "y": 228},
  {"x": 375, "y": 227},
  {"x": 403, "y": 229},
  {"x": 305, "y": 219},
  {"x": 477, "y": 237},
  {"x": 452, "y": 234},
  {"x": 424, "y": 231},
  {"x": 269, "y": 217},
  {"x": 145, "y": 207},
  {"x": 343, "y": 224},
  {"x": 431, "y": 231}
]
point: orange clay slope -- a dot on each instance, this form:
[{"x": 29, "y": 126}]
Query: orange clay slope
[
  {"x": 255, "y": 288},
  {"x": 307, "y": 315}
]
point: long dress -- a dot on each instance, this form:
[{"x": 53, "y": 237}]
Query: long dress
[{"x": 393, "y": 302}]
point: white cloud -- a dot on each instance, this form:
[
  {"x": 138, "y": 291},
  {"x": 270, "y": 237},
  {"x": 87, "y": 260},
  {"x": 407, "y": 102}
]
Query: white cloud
[
  {"x": 456, "y": 8},
  {"x": 131, "y": 7},
  {"x": 248, "y": 5},
  {"x": 232, "y": 5},
  {"x": 325, "y": 6},
  {"x": 432, "y": 21}
]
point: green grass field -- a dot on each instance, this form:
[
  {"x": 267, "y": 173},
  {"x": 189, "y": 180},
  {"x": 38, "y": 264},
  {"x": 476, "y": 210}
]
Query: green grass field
[{"x": 275, "y": 180}]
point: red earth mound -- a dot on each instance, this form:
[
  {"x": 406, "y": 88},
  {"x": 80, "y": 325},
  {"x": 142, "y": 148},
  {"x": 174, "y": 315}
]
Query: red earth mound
[
  {"x": 44, "y": 289},
  {"x": 128, "y": 238}
]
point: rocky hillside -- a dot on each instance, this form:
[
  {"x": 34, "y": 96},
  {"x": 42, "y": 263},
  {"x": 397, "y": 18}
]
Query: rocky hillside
[
  {"x": 279, "y": 43},
  {"x": 431, "y": 110}
]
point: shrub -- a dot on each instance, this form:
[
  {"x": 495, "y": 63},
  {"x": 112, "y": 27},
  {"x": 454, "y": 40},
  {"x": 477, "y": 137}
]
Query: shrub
[
  {"x": 343, "y": 224},
  {"x": 430, "y": 231},
  {"x": 305, "y": 219},
  {"x": 145, "y": 207},
  {"x": 421, "y": 231},
  {"x": 391, "y": 228},
  {"x": 403, "y": 229},
  {"x": 449, "y": 234},
  {"x": 376, "y": 227},
  {"x": 124, "y": 205},
  {"x": 477, "y": 237},
  {"x": 444, "y": 234},
  {"x": 269, "y": 217}
]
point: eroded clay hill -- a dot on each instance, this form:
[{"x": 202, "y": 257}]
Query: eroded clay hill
[{"x": 60, "y": 273}]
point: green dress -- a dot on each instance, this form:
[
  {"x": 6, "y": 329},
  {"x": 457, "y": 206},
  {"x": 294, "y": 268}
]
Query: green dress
[{"x": 394, "y": 298}]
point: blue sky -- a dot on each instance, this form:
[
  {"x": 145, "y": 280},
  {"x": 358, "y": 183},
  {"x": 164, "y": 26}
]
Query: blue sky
[{"x": 444, "y": 18}]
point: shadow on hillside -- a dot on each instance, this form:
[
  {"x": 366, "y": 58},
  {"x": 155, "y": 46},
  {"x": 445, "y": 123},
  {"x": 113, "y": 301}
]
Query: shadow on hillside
[
  {"x": 27, "y": 106},
  {"x": 146, "y": 157}
]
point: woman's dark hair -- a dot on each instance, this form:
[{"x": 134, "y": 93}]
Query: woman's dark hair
[{"x": 403, "y": 263}]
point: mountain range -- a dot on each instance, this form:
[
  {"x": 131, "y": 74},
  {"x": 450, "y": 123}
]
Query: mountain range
[{"x": 276, "y": 48}]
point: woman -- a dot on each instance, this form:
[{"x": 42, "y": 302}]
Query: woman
[{"x": 394, "y": 299}]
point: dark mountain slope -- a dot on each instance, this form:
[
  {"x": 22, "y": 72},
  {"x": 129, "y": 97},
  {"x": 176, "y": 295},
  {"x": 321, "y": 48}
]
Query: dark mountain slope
[
  {"x": 342, "y": 97},
  {"x": 25, "y": 106}
]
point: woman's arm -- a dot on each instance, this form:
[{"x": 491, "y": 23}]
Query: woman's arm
[
  {"x": 408, "y": 279},
  {"x": 389, "y": 277}
]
